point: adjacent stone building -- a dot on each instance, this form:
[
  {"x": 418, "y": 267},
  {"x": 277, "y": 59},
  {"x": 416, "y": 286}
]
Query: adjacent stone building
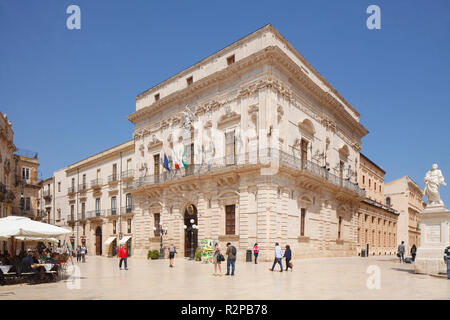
[
  {"x": 405, "y": 196},
  {"x": 377, "y": 222}
]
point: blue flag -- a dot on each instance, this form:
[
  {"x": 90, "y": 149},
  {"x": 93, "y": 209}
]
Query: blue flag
[{"x": 166, "y": 163}]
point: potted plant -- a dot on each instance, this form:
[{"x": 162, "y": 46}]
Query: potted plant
[
  {"x": 153, "y": 254},
  {"x": 198, "y": 254}
]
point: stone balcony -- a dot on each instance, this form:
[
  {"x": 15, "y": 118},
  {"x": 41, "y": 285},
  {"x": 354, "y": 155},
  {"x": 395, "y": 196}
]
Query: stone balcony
[{"x": 307, "y": 172}]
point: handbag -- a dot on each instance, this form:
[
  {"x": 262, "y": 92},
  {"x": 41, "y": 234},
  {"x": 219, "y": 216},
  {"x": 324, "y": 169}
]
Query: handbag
[
  {"x": 220, "y": 257},
  {"x": 398, "y": 255}
]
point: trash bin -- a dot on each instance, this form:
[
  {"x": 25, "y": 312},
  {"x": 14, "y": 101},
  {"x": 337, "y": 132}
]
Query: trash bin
[
  {"x": 248, "y": 256},
  {"x": 363, "y": 253}
]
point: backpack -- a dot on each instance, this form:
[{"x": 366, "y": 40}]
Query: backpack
[{"x": 233, "y": 250}]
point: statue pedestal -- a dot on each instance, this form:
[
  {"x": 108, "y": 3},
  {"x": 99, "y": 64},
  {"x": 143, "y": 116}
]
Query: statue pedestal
[{"x": 434, "y": 238}]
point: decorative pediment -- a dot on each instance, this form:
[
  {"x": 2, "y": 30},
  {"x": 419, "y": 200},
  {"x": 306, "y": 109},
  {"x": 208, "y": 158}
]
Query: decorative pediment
[
  {"x": 344, "y": 152},
  {"x": 306, "y": 126},
  {"x": 154, "y": 143},
  {"x": 230, "y": 117}
]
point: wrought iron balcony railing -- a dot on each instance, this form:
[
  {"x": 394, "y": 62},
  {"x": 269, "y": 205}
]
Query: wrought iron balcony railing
[
  {"x": 46, "y": 194},
  {"x": 71, "y": 190},
  {"x": 82, "y": 187},
  {"x": 269, "y": 158},
  {"x": 95, "y": 214},
  {"x": 127, "y": 209},
  {"x": 113, "y": 178},
  {"x": 112, "y": 212},
  {"x": 127, "y": 174},
  {"x": 70, "y": 218},
  {"x": 96, "y": 183},
  {"x": 19, "y": 211}
]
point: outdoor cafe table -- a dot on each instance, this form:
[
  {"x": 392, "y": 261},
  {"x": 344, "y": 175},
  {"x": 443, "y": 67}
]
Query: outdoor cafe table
[{"x": 5, "y": 268}]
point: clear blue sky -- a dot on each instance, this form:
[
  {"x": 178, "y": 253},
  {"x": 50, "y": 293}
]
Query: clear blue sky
[{"x": 68, "y": 92}]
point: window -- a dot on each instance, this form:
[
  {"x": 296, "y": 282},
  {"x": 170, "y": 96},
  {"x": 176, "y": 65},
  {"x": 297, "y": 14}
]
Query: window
[
  {"x": 98, "y": 175},
  {"x": 72, "y": 212},
  {"x": 157, "y": 97},
  {"x": 189, "y": 80},
  {"x": 84, "y": 229},
  {"x": 375, "y": 186},
  {"x": 370, "y": 183},
  {"x": 364, "y": 179},
  {"x": 230, "y": 59},
  {"x": 229, "y": 147},
  {"x": 129, "y": 225},
  {"x": 128, "y": 203},
  {"x": 25, "y": 173},
  {"x": 302, "y": 221},
  {"x": 114, "y": 172},
  {"x": 388, "y": 201},
  {"x": 73, "y": 184},
  {"x": 303, "y": 152},
  {"x": 230, "y": 219},
  {"x": 339, "y": 228},
  {"x": 83, "y": 210},
  {"x": 114, "y": 226},
  {"x": 113, "y": 205},
  {"x": 84, "y": 181},
  {"x": 59, "y": 186},
  {"x": 97, "y": 206},
  {"x": 157, "y": 220}
]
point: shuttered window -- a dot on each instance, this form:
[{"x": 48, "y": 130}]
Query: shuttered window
[{"x": 230, "y": 219}]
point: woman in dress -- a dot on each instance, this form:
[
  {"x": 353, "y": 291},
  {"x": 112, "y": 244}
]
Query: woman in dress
[{"x": 216, "y": 260}]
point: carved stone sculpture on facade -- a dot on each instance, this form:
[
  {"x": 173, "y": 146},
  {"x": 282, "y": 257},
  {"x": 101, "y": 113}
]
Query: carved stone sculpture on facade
[{"x": 433, "y": 179}]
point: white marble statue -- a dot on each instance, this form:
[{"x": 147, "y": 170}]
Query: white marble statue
[{"x": 433, "y": 179}]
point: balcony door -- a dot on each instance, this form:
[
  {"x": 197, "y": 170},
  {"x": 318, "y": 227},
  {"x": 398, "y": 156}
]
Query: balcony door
[
  {"x": 230, "y": 148},
  {"x": 303, "y": 153},
  {"x": 156, "y": 167}
]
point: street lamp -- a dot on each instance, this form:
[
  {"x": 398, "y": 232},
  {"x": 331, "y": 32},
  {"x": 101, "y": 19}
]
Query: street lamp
[
  {"x": 191, "y": 229},
  {"x": 162, "y": 231}
]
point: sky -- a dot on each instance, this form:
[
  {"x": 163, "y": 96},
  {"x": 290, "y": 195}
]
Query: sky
[{"x": 68, "y": 92}]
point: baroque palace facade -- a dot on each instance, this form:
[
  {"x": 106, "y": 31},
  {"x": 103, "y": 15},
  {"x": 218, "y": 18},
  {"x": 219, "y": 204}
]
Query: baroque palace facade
[{"x": 252, "y": 145}]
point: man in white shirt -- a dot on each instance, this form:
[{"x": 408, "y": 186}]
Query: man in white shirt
[{"x": 278, "y": 257}]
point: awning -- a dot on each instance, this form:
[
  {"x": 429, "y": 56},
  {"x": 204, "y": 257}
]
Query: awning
[
  {"x": 109, "y": 240},
  {"x": 37, "y": 239},
  {"x": 124, "y": 239}
]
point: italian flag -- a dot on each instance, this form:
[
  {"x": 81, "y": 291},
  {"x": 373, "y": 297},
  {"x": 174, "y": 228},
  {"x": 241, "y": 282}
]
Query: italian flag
[
  {"x": 175, "y": 161},
  {"x": 184, "y": 160}
]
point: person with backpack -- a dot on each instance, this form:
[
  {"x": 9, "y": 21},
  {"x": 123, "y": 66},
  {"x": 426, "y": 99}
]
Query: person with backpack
[
  {"x": 256, "y": 252},
  {"x": 123, "y": 255},
  {"x": 231, "y": 258},
  {"x": 278, "y": 257}
]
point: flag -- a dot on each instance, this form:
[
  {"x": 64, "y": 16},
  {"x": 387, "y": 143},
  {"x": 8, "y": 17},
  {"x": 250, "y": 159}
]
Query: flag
[
  {"x": 184, "y": 160},
  {"x": 176, "y": 164},
  {"x": 166, "y": 163}
]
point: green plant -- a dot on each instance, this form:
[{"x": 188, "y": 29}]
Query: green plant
[
  {"x": 153, "y": 254},
  {"x": 198, "y": 254}
]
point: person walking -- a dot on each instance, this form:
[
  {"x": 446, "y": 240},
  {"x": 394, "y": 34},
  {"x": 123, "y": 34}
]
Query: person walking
[
  {"x": 256, "y": 252},
  {"x": 78, "y": 254},
  {"x": 447, "y": 261},
  {"x": 217, "y": 259},
  {"x": 288, "y": 256},
  {"x": 413, "y": 252},
  {"x": 172, "y": 251},
  {"x": 231, "y": 258},
  {"x": 401, "y": 252},
  {"x": 123, "y": 255},
  {"x": 278, "y": 257},
  {"x": 83, "y": 253}
]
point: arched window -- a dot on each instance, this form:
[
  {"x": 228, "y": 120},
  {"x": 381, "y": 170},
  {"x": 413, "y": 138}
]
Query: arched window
[{"x": 388, "y": 201}]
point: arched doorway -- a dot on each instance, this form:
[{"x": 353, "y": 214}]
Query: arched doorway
[
  {"x": 190, "y": 238},
  {"x": 98, "y": 241}
]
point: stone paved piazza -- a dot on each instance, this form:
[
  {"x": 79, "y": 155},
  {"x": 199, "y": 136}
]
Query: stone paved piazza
[{"x": 330, "y": 278}]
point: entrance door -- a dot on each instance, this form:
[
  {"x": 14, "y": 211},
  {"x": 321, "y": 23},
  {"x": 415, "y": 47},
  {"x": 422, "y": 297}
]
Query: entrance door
[
  {"x": 114, "y": 247},
  {"x": 190, "y": 213},
  {"x": 98, "y": 241}
]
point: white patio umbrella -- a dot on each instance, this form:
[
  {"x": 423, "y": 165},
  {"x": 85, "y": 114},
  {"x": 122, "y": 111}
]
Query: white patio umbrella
[
  {"x": 37, "y": 239},
  {"x": 14, "y": 226}
]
